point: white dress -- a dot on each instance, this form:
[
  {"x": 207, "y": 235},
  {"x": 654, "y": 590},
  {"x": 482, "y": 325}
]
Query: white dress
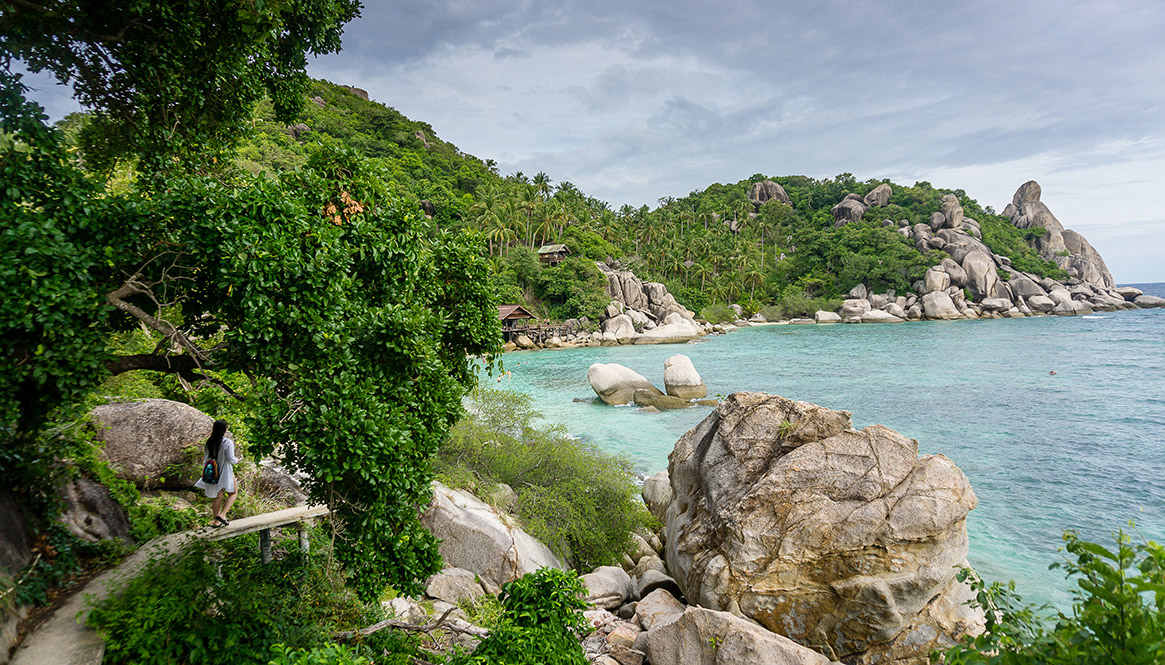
[{"x": 226, "y": 474}]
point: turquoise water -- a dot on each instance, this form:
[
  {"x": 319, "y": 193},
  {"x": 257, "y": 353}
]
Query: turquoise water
[{"x": 1082, "y": 449}]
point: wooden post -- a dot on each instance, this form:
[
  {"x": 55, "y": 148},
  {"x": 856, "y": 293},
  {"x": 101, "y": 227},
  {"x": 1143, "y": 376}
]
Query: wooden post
[
  {"x": 304, "y": 546},
  {"x": 265, "y": 545}
]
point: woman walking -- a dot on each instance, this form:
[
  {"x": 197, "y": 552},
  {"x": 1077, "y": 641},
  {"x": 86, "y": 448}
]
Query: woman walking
[{"x": 218, "y": 479}]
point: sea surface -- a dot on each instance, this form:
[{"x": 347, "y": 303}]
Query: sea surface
[{"x": 1058, "y": 422}]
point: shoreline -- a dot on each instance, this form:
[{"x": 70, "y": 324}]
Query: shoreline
[{"x": 726, "y": 328}]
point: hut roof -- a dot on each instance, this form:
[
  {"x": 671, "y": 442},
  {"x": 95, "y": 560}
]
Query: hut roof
[
  {"x": 552, "y": 249},
  {"x": 514, "y": 312}
]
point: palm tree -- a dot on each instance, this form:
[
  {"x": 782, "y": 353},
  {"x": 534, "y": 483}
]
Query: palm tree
[
  {"x": 703, "y": 271},
  {"x": 530, "y": 204},
  {"x": 542, "y": 184},
  {"x": 484, "y": 210}
]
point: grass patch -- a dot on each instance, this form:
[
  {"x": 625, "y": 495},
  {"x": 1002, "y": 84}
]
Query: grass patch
[{"x": 580, "y": 501}]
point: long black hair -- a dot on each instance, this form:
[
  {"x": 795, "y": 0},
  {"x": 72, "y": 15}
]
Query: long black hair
[{"x": 215, "y": 441}]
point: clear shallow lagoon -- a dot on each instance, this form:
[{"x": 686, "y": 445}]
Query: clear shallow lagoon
[{"x": 1082, "y": 449}]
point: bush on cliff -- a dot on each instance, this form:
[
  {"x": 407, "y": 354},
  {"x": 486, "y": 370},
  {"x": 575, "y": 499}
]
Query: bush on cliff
[
  {"x": 540, "y": 624},
  {"x": 577, "y": 499},
  {"x": 1117, "y": 617},
  {"x": 218, "y": 603}
]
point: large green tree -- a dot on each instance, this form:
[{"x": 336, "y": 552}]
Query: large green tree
[{"x": 355, "y": 321}]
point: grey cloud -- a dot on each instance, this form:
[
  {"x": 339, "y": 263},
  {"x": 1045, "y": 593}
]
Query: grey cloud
[{"x": 503, "y": 53}]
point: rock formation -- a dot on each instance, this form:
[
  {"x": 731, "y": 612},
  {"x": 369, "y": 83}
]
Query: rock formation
[
  {"x": 616, "y": 384},
  {"x": 845, "y": 541},
  {"x": 145, "y": 440},
  {"x": 699, "y": 636},
  {"x": 850, "y": 209},
  {"x": 765, "y": 190},
  {"x": 91, "y": 513},
  {"x": 878, "y": 196},
  {"x": 973, "y": 282},
  {"x": 479, "y": 538},
  {"x": 15, "y": 536},
  {"x": 1067, "y": 248},
  {"x": 651, "y": 298},
  {"x": 680, "y": 378}
]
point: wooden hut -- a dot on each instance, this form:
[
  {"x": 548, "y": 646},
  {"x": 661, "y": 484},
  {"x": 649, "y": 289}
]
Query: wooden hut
[
  {"x": 552, "y": 254},
  {"x": 515, "y": 320}
]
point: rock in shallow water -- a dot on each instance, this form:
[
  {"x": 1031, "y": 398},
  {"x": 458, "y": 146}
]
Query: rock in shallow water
[
  {"x": 616, "y": 384},
  {"x": 680, "y": 378}
]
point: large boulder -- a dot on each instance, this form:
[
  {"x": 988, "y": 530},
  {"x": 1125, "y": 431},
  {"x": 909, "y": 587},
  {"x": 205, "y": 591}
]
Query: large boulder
[
  {"x": 878, "y": 196},
  {"x": 454, "y": 585},
  {"x": 1129, "y": 293},
  {"x": 657, "y": 608},
  {"x": 657, "y": 493},
  {"x": 1149, "y": 301},
  {"x": 981, "y": 275},
  {"x": 653, "y": 398},
  {"x": 621, "y": 326},
  {"x": 700, "y": 636},
  {"x": 1025, "y": 287},
  {"x": 154, "y": 443},
  {"x": 16, "y": 539},
  {"x": 838, "y": 539},
  {"x": 1028, "y": 191},
  {"x": 952, "y": 212},
  {"x": 880, "y": 316},
  {"x": 936, "y": 279},
  {"x": 675, "y": 329},
  {"x": 765, "y": 190},
  {"x": 479, "y": 538},
  {"x": 956, "y": 272},
  {"x": 1084, "y": 262},
  {"x": 616, "y": 384},
  {"x": 91, "y": 513},
  {"x": 852, "y": 307},
  {"x": 848, "y": 210},
  {"x": 607, "y": 587},
  {"x": 938, "y": 305},
  {"x": 680, "y": 378}
]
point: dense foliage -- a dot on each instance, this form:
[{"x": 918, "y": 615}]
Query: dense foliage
[
  {"x": 570, "y": 495},
  {"x": 173, "y": 81},
  {"x": 1117, "y": 617},
  {"x": 350, "y": 316},
  {"x": 217, "y": 603},
  {"x": 712, "y": 246},
  {"x": 540, "y": 624}
]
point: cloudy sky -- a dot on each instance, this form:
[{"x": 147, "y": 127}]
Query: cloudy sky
[{"x": 633, "y": 101}]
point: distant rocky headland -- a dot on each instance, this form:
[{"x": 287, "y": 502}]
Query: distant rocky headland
[{"x": 970, "y": 282}]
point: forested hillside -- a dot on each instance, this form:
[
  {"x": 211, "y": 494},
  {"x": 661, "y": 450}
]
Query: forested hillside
[{"x": 710, "y": 247}]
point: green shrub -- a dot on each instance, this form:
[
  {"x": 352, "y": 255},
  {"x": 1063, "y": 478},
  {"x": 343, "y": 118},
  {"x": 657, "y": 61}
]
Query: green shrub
[
  {"x": 217, "y": 603},
  {"x": 577, "y": 499},
  {"x": 540, "y": 623},
  {"x": 1117, "y": 617},
  {"x": 772, "y": 313},
  {"x": 331, "y": 654},
  {"x": 802, "y": 306},
  {"x": 719, "y": 313}
]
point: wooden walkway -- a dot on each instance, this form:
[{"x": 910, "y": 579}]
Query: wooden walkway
[{"x": 64, "y": 639}]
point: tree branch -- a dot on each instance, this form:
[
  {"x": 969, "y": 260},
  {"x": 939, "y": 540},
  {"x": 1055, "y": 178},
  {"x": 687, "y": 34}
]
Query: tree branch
[
  {"x": 135, "y": 286},
  {"x": 168, "y": 364},
  {"x": 186, "y": 367},
  {"x": 440, "y": 622}
]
